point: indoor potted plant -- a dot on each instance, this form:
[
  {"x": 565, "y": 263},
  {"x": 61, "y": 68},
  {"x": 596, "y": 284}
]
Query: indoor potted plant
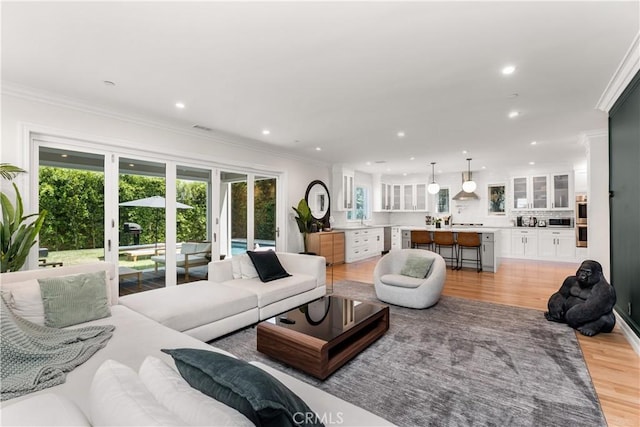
[
  {"x": 304, "y": 220},
  {"x": 18, "y": 232}
]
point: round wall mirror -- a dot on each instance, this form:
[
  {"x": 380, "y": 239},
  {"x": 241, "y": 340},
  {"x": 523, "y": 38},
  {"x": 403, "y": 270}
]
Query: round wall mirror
[{"x": 317, "y": 197}]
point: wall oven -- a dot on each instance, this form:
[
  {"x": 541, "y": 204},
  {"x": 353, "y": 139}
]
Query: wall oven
[
  {"x": 581, "y": 236},
  {"x": 581, "y": 209},
  {"x": 581, "y": 221}
]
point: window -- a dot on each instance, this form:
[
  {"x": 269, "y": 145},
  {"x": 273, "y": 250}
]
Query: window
[
  {"x": 442, "y": 205},
  {"x": 361, "y": 209}
]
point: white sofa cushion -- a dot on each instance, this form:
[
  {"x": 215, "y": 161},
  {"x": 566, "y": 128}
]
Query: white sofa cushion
[
  {"x": 26, "y": 300},
  {"x": 243, "y": 267},
  {"x": 191, "y": 305},
  {"x": 274, "y": 291},
  {"x": 46, "y": 409},
  {"x": 119, "y": 398},
  {"x": 401, "y": 280},
  {"x": 174, "y": 393}
]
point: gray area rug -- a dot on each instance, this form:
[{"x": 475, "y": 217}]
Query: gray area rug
[{"x": 459, "y": 363}]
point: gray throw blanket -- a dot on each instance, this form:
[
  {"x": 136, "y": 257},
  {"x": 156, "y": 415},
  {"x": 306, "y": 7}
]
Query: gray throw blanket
[{"x": 34, "y": 357}]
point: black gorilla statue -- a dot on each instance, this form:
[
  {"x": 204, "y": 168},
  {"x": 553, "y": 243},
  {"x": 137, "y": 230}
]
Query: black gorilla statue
[{"x": 585, "y": 301}]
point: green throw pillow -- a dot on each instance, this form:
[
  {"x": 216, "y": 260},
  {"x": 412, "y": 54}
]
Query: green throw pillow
[
  {"x": 78, "y": 298},
  {"x": 251, "y": 391},
  {"x": 416, "y": 266}
]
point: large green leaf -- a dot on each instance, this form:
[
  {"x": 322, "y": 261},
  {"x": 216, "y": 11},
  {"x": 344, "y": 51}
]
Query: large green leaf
[{"x": 18, "y": 232}]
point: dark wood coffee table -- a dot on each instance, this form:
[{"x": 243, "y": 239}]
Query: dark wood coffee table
[{"x": 320, "y": 337}]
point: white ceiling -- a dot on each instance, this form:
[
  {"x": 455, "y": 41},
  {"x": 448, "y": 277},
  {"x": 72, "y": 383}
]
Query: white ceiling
[{"x": 343, "y": 76}]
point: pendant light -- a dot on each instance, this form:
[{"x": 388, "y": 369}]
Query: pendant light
[
  {"x": 469, "y": 186},
  {"x": 433, "y": 187}
]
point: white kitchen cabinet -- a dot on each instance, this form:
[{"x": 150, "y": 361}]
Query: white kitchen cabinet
[
  {"x": 542, "y": 192},
  {"x": 385, "y": 196},
  {"x": 406, "y": 239},
  {"x": 524, "y": 243},
  {"x": 530, "y": 192},
  {"x": 396, "y": 197},
  {"x": 343, "y": 187},
  {"x": 414, "y": 197},
  {"x": 363, "y": 243},
  {"x": 381, "y": 194},
  {"x": 396, "y": 238},
  {"x": 557, "y": 244},
  {"x": 562, "y": 191}
]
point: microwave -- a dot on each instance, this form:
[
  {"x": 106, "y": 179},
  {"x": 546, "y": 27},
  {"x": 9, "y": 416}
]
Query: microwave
[{"x": 560, "y": 222}]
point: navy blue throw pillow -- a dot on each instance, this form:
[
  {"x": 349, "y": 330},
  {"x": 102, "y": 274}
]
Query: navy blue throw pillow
[
  {"x": 251, "y": 391},
  {"x": 267, "y": 265}
]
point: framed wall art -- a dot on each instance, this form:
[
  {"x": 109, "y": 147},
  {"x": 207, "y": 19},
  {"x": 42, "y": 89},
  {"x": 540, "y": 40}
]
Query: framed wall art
[{"x": 496, "y": 197}]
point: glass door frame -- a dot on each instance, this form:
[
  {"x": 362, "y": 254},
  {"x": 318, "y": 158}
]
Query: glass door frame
[{"x": 112, "y": 152}]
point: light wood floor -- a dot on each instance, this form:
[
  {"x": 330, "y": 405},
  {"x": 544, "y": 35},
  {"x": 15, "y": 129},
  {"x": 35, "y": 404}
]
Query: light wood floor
[{"x": 612, "y": 363}]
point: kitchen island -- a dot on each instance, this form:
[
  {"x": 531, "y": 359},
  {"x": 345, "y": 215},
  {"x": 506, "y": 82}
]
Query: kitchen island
[{"x": 489, "y": 237}]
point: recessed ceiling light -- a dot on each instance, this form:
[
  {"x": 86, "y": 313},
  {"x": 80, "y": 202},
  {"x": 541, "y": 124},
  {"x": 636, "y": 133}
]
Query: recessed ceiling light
[
  {"x": 439, "y": 170},
  {"x": 484, "y": 167},
  {"x": 388, "y": 169},
  {"x": 534, "y": 142},
  {"x": 108, "y": 83},
  {"x": 404, "y": 174},
  {"x": 318, "y": 149},
  {"x": 514, "y": 114},
  {"x": 266, "y": 131},
  {"x": 509, "y": 69},
  {"x": 532, "y": 163},
  {"x": 64, "y": 155},
  {"x": 179, "y": 105},
  {"x": 401, "y": 134},
  {"x": 464, "y": 151},
  {"x": 368, "y": 163},
  {"x": 412, "y": 158}
]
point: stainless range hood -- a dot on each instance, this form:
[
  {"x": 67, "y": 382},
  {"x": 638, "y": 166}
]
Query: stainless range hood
[{"x": 463, "y": 195}]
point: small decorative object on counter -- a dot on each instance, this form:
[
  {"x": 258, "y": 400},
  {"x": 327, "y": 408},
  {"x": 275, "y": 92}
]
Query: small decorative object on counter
[
  {"x": 428, "y": 220},
  {"x": 438, "y": 222}
]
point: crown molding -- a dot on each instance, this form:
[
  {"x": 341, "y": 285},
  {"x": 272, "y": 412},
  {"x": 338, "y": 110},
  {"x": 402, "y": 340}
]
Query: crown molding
[
  {"x": 627, "y": 69},
  {"x": 219, "y": 137}
]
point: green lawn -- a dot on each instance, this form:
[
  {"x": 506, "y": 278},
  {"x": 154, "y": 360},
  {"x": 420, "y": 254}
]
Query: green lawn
[{"x": 84, "y": 256}]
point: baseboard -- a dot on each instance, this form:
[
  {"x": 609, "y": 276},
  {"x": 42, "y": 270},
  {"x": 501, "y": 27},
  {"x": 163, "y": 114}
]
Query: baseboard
[{"x": 628, "y": 333}]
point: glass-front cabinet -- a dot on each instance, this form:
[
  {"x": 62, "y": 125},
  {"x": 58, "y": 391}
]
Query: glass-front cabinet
[
  {"x": 538, "y": 192},
  {"x": 561, "y": 191},
  {"x": 520, "y": 193}
]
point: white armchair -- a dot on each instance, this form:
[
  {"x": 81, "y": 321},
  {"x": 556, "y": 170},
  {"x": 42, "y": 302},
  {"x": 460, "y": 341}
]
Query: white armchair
[{"x": 395, "y": 288}]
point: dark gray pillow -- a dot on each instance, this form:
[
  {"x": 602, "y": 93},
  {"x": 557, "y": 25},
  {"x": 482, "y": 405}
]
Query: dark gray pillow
[
  {"x": 73, "y": 299},
  {"x": 267, "y": 265},
  {"x": 251, "y": 391}
]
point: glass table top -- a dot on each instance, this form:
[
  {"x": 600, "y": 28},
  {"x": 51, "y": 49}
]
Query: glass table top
[{"x": 326, "y": 318}]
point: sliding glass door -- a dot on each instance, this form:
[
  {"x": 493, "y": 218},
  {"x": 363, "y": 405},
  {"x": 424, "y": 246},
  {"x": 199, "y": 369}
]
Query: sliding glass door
[
  {"x": 141, "y": 224},
  {"x": 193, "y": 223},
  {"x": 161, "y": 221},
  {"x": 71, "y": 189}
]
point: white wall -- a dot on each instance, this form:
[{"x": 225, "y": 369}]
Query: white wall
[
  {"x": 598, "y": 200},
  {"x": 112, "y": 129}
]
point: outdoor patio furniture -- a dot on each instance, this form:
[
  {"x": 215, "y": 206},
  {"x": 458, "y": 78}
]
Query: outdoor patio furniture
[{"x": 192, "y": 254}]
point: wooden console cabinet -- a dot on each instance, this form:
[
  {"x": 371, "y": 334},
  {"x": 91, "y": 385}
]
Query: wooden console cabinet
[{"x": 329, "y": 244}]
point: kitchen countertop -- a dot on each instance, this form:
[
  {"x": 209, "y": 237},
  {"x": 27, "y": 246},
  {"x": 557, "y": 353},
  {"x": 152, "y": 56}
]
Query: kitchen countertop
[{"x": 454, "y": 229}]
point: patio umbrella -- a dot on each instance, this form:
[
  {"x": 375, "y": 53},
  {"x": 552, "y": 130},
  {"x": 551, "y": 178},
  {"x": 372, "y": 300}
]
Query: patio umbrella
[{"x": 157, "y": 202}]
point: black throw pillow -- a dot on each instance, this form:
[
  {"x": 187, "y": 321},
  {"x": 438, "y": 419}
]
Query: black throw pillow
[
  {"x": 267, "y": 265},
  {"x": 251, "y": 391}
]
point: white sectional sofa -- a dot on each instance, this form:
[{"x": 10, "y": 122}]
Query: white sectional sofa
[
  {"x": 135, "y": 338},
  {"x": 233, "y": 296}
]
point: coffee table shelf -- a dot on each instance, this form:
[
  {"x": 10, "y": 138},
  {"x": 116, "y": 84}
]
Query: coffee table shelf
[{"x": 321, "y": 348}]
